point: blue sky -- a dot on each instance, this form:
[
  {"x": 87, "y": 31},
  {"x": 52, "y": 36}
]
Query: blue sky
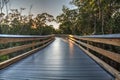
[{"x": 53, "y": 7}]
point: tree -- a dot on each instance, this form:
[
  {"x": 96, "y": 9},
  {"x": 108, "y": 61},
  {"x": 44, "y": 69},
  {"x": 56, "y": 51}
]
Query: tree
[
  {"x": 16, "y": 23},
  {"x": 41, "y": 20},
  {"x": 67, "y": 20},
  {"x": 91, "y": 17}
]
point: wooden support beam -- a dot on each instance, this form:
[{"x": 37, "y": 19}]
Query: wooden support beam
[
  {"x": 18, "y": 48},
  {"x": 115, "y": 42},
  {"x": 110, "y": 69},
  {"x": 111, "y": 55},
  {"x": 7, "y": 40},
  {"x": 19, "y": 57}
]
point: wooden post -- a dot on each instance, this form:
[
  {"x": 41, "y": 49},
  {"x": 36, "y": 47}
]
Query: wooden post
[
  {"x": 88, "y": 44},
  {"x": 33, "y": 43}
]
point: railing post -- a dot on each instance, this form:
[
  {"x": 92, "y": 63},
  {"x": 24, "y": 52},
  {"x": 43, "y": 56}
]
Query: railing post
[
  {"x": 33, "y": 43},
  {"x": 87, "y": 47}
]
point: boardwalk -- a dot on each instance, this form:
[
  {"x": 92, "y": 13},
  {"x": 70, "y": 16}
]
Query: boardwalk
[{"x": 61, "y": 60}]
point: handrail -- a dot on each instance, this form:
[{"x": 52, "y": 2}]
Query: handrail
[
  {"x": 109, "y": 54},
  {"x": 107, "y": 36},
  {"x": 88, "y": 44},
  {"x": 113, "y": 39},
  {"x": 20, "y": 38},
  {"x": 33, "y": 43},
  {"x": 23, "y": 36}
]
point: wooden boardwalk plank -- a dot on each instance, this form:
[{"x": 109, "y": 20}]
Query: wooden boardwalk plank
[{"x": 59, "y": 61}]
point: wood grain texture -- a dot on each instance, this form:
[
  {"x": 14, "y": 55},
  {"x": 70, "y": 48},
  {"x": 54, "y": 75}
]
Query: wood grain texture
[
  {"x": 17, "y": 48},
  {"x": 19, "y": 57},
  {"x": 59, "y": 61},
  {"x": 20, "y": 38},
  {"x": 110, "y": 69},
  {"x": 115, "y": 42},
  {"x": 111, "y": 55}
]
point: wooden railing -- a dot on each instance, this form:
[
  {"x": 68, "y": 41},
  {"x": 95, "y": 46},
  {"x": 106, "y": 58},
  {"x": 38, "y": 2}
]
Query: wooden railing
[
  {"x": 17, "y": 47},
  {"x": 104, "y": 49}
]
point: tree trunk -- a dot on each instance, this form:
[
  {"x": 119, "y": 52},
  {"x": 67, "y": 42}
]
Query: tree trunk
[
  {"x": 0, "y": 30},
  {"x": 102, "y": 29},
  {"x": 95, "y": 24}
]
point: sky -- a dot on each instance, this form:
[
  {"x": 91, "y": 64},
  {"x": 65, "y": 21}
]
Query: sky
[{"x": 53, "y": 7}]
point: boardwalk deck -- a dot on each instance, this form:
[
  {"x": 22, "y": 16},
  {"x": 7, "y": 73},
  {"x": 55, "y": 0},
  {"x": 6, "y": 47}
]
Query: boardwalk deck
[{"x": 59, "y": 61}]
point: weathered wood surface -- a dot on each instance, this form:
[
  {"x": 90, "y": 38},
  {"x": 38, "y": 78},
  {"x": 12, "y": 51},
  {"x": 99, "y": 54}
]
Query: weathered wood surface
[
  {"x": 107, "y": 36},
  {"x": 112, "y": 39},
  {"x": 61, "y": 60},
  {"x": 17, "y": 48},
  {"x": 20, "y": 38},
  {"x": 107, "y": 67},
  {"x": 109, "y": 54},
  {"x": 19, "y": 57},
  {"x": 41, "y": 42}
]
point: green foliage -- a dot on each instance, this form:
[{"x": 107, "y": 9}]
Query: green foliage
[
  {"x": 113, "y": 25},
  {"x": 91, "y": 17},
  {"x": 3, "y": 58},
  {"x": 15, "y": 23}
]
